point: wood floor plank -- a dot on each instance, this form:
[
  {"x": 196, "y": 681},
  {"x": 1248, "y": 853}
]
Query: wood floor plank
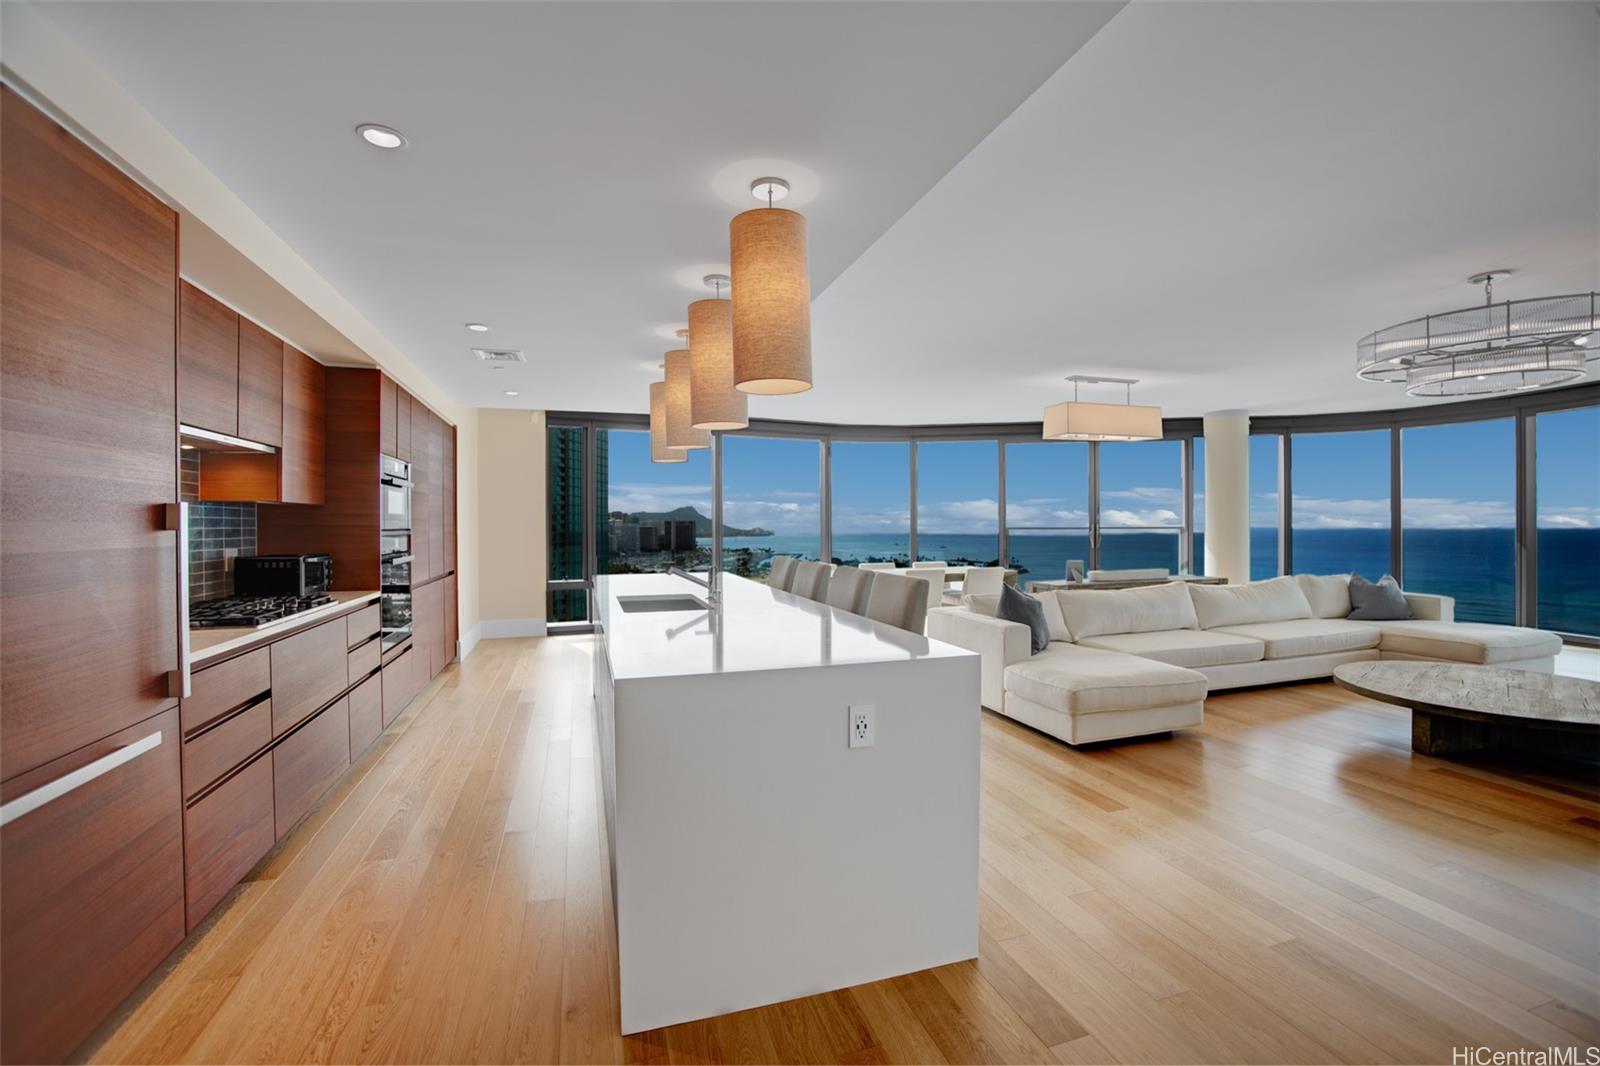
[{"x": 1288, "y": 883}]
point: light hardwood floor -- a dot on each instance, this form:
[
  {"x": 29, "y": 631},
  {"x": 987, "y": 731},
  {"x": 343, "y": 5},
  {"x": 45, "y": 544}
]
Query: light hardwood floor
[{"x": 1287, "y": 884}]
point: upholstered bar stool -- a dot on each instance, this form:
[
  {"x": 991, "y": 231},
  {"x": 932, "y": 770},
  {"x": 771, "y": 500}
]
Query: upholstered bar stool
[
  {"x": 849, "y": 588},
  {"x": 899, "y": 601},
  {"x": 810, "y": 580},
  {"x": 781, "y": 576},
  {"x": 933, "y": 578},
  {"x": 928, "y": 564},
  {"x": 984, "y": 581}
]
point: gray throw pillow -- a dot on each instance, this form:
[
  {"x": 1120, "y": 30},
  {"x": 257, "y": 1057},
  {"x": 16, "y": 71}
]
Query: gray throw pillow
[
  {"x": 1383, "y": 602},
  {"x": 1018, "y": 607}
]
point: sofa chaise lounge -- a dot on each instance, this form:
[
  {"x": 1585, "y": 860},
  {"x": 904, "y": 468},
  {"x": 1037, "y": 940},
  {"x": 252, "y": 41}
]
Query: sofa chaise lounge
[{"x": 1139, "y": 661}]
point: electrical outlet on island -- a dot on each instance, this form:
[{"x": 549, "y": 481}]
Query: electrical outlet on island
[{"x": 863, "y": 725}]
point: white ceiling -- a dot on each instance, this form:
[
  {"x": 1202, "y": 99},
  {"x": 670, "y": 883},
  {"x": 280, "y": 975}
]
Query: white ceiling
[{"x": 1216, "y": 198}]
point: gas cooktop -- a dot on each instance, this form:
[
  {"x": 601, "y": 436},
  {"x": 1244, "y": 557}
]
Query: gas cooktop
[{"x": 250, "y": 610}]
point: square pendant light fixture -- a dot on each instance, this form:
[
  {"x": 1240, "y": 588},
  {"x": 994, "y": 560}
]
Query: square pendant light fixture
[{"x": 1078, "y": 420}]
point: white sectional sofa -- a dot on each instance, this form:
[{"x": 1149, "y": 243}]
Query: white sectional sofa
[{"x": 1131, "y": 662}]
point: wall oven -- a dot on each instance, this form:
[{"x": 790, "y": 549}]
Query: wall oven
[
  {"x": 395, "y": 565},
  {"x": 395, "y": 495}
]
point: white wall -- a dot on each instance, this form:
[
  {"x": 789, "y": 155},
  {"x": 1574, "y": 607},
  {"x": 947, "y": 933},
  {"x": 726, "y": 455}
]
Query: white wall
[{"x": 513, "y": 523}]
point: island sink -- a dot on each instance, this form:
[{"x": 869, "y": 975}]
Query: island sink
[{"x": 670, "y": 602}]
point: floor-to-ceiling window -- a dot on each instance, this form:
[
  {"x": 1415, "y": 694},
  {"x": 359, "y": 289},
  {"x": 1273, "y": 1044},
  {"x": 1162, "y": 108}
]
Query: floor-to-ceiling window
[
  {"x": 1047, "y": 508},
  {"x": 1340, "y": 518},
  {"x": 1567, "y": 490},
  {"x": 1458, "y": 515},
  {"x": 1141, "y": 505},
  {"x": 1264, "y": 514},
  {"x": 656, "y": 514},
  {"x": 771, "y": 501},
  {"x": 871, "y": 496},
  {"x": 958, "y": 501}
]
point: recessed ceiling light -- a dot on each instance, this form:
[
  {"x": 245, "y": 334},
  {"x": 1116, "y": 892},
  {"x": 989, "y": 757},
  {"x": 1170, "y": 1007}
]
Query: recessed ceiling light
[
  {"x": 511, "y": 392},
  {"x": 1585, "y": 340},
  {"x": 477, "y": 327},
  {"x": 187, "y": 447},
  {"x": 769, "y": 190},
  {"x": 381, "y": 136}
]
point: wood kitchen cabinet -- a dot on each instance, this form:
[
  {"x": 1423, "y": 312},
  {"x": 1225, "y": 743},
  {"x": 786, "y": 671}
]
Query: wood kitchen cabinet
[
  {"x": 261, "y": 359},
  {"x": 399, "y": 681},
  {"x": 452, "y": 621},
  {"x": 88, "y": 447},
  {"x": 447, "y": 475},
  {"x": 208, "y": 362},
  {"x": 402, "y": 425},
  {"x": 226, "y": 832},
  {"x": 308, "y": 670},
  {"x": 307, "y": 762},
  {"x": 92, "y": 896},
  {"x": 388, "y": 413},
  {"x": 302, "y": 456}
]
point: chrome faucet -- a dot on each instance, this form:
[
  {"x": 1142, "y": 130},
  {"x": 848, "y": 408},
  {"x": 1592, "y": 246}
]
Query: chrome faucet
[{"x": 712, "y": 582}]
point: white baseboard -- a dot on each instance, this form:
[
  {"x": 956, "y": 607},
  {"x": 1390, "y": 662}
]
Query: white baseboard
[
  {"x": 498, "y": 628},
  {"x": 469, "y": 640}
]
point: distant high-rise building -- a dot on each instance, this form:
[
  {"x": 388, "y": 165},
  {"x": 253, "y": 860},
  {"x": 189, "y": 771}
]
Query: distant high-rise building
[
  {"x": 565, "y": 446},
  {"x": 679, "y": 534},
  {"x": 649, "y": 538}
]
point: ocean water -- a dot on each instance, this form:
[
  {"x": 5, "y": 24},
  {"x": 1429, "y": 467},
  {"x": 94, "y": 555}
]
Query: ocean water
[{"x": 1476, "y": 566}]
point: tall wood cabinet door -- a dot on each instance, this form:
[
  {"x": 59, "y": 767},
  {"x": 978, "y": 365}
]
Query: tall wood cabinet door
[
  {"x": 304, "y": 456},
  {"x": 91, "y": 884},
  {"x": 402, "y": 424},
  {"x": 88, "y": 444},
  {"x": 260, "y": 384},
  {"x": 208, "y": 362},
  {"x": 447, "y": 473},
  {"x": 388, "y": 412},
  {"x": 422, "y": 493},
  {"x": 452, "y": 621},
  {"x": 436, "y": 498}
]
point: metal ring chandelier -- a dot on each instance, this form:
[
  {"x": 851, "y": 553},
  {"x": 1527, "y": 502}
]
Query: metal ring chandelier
[{"x": 1496, "y": 347}]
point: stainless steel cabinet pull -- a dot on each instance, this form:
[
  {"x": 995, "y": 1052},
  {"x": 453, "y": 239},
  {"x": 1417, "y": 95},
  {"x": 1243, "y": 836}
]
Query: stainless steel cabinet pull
[{"x": 32, "y": 801}]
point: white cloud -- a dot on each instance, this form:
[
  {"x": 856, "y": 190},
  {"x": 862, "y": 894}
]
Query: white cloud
[{"x": 1570, "y": 518}]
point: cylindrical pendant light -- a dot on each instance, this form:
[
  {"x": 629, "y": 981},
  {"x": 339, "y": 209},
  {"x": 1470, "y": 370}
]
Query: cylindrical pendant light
[
  {"x": 771, "y": 298},
  {"x": 713, "y": 401},
  {"x": 659, "y": 452},
  {"x": 680, "y": 426}
]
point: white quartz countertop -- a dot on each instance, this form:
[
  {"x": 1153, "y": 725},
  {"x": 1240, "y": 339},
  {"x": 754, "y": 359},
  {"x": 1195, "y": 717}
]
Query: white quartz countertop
[
  {"x": 208, "y": 644},
  {"x": 754, "y": 628}
]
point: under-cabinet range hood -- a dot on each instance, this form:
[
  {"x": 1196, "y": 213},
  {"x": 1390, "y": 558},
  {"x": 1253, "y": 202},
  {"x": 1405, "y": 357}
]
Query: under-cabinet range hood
[{"x": 193, "y": 438}]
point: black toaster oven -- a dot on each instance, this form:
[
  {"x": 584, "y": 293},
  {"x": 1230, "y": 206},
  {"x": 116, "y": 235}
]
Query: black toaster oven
[{"x": 282, "y": 575}]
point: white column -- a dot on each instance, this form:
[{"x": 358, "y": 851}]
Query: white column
[{"x": 1227, "y": 492}]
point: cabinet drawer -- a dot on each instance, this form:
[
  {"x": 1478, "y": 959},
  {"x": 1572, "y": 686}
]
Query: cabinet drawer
[
  {"x": 362, "y": 625},
  {"x": 91, "y": 886},
  {"x": 366, "y": 715},
  {"x": 218, "y": 750},
  {"x": 363, "y": 660},
  {"x": 398, "y": 683},
  {"x": 225, "y": 834},
  {"x": 305, "y": 763},
  {"x": 219, "y": 689},
  {"x": 308, "y": 670}
]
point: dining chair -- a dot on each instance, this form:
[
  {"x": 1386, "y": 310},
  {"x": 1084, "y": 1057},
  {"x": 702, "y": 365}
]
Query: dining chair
[
  {"x": 933, "y": 578},
  {"x": 811, "y": 580},
  {"x": 849, "y": 588},
  {"x": 898, "y": 601},
  {"x": 984, "y": 581},
  {"x": 1154, "y": 573},
  {"x": 878, "y": 566},
  {"x": 928, "y": 564},
  {"x": 781, "y": 576}
]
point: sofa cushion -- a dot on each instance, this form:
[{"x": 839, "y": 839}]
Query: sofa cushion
[
  {"x": 1192, "y": 648},
  {"x": 1278, "y": 600},
  {"x": 1309, "y": 636},
  {"x": 1465, "y": 642},
  {"x": 1381, "y": 602},
  {"x": 1077, "y": 680},
  {"x": 1328, "y": 594},
  {"x": 1019, "y": 607},
  {"x": 1090, "y": 613},
  {"x": 985, "y": 604}
]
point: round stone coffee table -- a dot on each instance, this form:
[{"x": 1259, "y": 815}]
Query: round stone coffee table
[{"x": 1461, "y": 707}]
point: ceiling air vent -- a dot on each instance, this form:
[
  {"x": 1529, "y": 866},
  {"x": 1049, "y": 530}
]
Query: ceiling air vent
[{"x": 500, "y": 355}]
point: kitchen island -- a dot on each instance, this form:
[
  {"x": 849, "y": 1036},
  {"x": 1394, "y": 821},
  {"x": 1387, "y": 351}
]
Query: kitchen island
[{"x": 756, "y": 855}]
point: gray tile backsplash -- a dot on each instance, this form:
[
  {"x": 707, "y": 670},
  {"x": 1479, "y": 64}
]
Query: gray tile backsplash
[{"x": 217, "y": 531}]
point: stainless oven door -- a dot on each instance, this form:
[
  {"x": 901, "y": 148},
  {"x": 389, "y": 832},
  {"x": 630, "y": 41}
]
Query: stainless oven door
[{"x": 396, "y": 505}]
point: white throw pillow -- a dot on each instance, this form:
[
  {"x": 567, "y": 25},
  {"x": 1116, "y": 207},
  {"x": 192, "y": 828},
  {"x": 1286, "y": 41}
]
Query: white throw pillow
[
  {"x": 1278, "y": 600},
  {"x": 1328, "y": 594},
  {"x": 1148, "y": 610},
  {"x": 985, "y": 605}
]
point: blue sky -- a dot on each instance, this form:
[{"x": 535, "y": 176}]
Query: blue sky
[{"x": 1454, "y": 476}]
